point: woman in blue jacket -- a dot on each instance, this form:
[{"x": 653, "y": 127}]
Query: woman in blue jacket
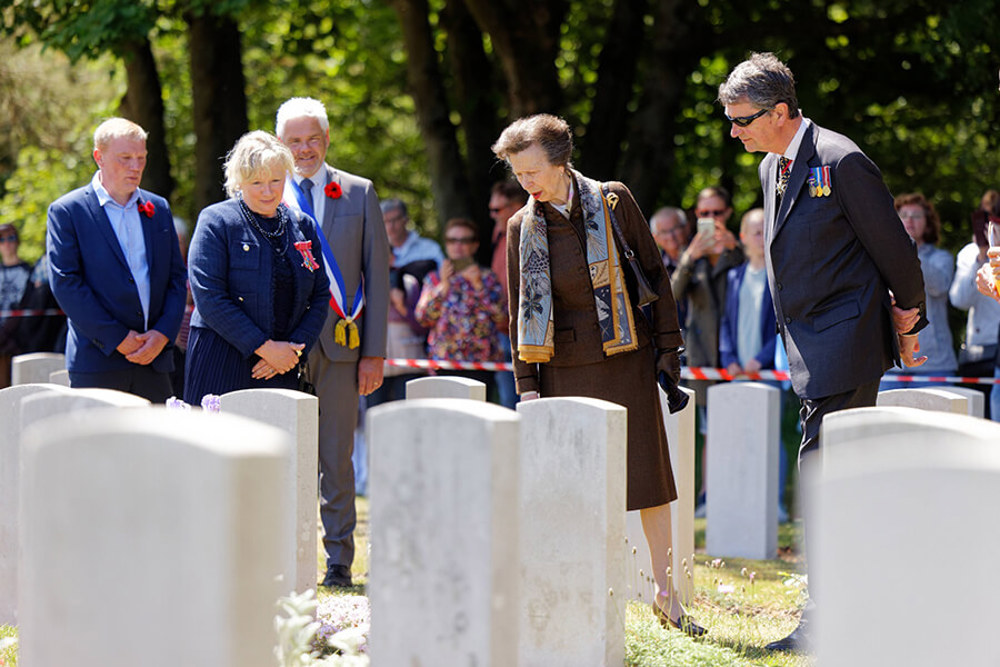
[{"x": 260, "y": 290}]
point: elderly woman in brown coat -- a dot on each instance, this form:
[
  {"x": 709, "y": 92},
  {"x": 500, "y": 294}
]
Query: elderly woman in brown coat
[{"x": 575, "y": 326}]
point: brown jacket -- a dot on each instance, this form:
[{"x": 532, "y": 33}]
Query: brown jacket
[{"x": 577, "y": 336}]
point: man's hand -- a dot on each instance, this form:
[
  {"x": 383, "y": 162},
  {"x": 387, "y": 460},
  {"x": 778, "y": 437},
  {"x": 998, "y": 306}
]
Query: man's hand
[
  {"x": 904, "y": 320},
  {"x": 909, "y": 346},
  {"x": 753, "y": 366},
  {"x": 369, "y": 374},
  {"x": 151, "y": 344},
  {"x": 986, "y": 277},
  {"x": 734, "y": 369},
  {"x": 129, "y": 344}
]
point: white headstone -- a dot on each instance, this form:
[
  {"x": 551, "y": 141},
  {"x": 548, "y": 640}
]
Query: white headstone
[
  {"x": 446, "y": 386},
  {"x": 35, "y": 367},
  {"x": 572, "y": 503},
  {"x": 924, "y": 398},
  {"x": 296, "y": 413},
  {"x": 638, "y": 571},
  {"x": 10, "y": 457},
  {"x": 977, "y": 399},
  {"x": 60, "y": 377},
  {"x": 905, "y": 507},
  {"x": 149, "y": 539},
  {"x": 444, "y": 518},
  {"x": 742, "y": 470}
]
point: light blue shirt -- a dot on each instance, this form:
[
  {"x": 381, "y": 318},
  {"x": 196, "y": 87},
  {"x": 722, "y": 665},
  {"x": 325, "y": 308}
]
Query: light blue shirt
[
  {"x": 319, "y": 181},
  {"x": 416, "y": 248},
  {"x": 751, "y": 298},
  {"x": 128, "y": 228}
]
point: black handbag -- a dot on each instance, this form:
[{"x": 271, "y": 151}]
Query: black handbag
[{"x": 643, "y": 292}]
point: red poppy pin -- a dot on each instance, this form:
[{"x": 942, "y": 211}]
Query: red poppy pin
[
  {"x": 333, "y": 190},
  {"x": 305, "y": 249},
  {"x": 147, "y": 208}
]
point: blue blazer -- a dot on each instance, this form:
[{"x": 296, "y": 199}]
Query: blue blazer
[
  {"x": 728, "y": 335},
  {"x": 230, "y": 267},
  {"x": 92, "y": 282}
]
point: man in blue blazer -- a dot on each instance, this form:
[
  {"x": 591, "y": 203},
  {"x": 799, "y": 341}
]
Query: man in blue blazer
[
  {"x": 844, "y": 276},
  {"x": 117, "y": 271}
]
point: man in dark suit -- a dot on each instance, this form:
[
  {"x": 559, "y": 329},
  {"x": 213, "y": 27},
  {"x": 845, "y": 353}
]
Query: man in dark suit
[
  {"x": 348, "y": 360},
  {"x": 843, "y": 274},
  {"x": 116, "y": 271}
]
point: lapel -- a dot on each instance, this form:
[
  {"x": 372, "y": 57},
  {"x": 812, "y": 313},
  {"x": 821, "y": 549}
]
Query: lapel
[
  {"x": 104, "y": 226},
  {"x": 330, "y": 205},
  {"x": 800, "y": 167},
  {"x": 147, "y": 233}
]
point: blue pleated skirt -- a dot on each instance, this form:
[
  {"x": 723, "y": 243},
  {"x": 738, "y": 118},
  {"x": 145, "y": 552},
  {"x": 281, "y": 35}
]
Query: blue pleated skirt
[{"x": 213, "y": 366}]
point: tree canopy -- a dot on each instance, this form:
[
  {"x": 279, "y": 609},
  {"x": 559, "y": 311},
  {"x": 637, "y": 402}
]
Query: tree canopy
[{"x": 417, "y": 90}]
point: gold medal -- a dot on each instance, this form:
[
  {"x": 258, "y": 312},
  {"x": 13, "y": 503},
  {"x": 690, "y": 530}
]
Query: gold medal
[{"x": 826, "y": 190}]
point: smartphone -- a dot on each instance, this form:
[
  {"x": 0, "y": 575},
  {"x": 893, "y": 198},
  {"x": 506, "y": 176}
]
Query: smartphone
[
  {"x": 706, "y": 226},
  {"x": 458, "y": 265}
]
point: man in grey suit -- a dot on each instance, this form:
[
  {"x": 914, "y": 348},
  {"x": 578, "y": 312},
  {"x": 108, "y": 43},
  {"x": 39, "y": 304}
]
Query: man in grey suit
[
  {"x": 347, "y": 362},
  {"x": 844, "y": 276}
]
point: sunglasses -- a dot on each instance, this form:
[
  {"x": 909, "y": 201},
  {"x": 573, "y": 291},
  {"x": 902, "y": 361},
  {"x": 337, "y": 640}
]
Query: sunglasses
[
  {"x": 464, "y": 239},
  {"x": 743, "y": 121},
  {"x": 12, "y": 238}
]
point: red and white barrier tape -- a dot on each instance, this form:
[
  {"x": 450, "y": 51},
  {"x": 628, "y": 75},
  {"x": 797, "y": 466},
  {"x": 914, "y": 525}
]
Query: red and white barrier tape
[
  {"x": 30, "y": 313},
  {"x": 687, "y": 372}
]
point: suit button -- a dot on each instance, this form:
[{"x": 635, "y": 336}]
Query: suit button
[
  {"x": 788, "y": 320},
  {"x": 246, "y": 247},
  {"x": 778, "y": 286},
  {"x": 240, "y": 299}
]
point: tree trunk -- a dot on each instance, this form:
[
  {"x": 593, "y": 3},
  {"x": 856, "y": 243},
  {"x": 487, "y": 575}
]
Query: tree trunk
[
  {"x": 219, "y": 103},
  {"x": 448, "y": 182},
  {"x": 525, "y": 36},
  {"x": 616, "y": 74},
  {"x": 143, "y": 104},
  {"x": 476, "y": 99},
  {"x": 649, "y": 160}
]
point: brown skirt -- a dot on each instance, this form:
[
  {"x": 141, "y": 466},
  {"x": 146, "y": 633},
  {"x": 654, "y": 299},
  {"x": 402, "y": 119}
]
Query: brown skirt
[{"x": 626, "y": 379}]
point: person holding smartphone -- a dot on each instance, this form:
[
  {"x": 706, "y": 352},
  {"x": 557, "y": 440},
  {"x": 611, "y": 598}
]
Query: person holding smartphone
[{"x": 463, "y": 304}]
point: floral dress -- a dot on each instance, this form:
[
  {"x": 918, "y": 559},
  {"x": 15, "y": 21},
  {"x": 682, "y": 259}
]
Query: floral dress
[{"x": 464, "y": 322}]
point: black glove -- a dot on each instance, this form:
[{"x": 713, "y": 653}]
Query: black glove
[{"x": 668, "y": 362}]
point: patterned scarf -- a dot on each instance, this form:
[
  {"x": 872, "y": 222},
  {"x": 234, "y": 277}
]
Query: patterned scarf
[{"x": 614, "y": 312}]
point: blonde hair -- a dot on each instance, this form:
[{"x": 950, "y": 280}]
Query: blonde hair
[
  {"x": 117, "y": 128},
  {"x": 255, "y": 153}
]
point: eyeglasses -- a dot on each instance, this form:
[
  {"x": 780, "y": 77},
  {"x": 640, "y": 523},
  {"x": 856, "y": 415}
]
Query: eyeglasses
[
  {"x": 743, "y": 121},
  {"x": 465, "y": 239},
  {"x": 710, "y": 213},
  {"x": 12, "y": 238}
]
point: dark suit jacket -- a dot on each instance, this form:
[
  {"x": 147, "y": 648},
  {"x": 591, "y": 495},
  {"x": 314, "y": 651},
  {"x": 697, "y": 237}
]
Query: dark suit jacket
[
  {"x": 92, "y": 282},
  {"x": 831, "y": 262},
  {"x": 729, "y": 326},
  {"x": 232, "y": 269},
  {"x": 354, "y": 229}
]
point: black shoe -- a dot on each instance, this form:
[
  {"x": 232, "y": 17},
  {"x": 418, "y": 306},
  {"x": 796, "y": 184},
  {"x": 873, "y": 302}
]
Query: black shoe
[
  {"x": 337, "y": 576},
  {"x": 685, "y": 624},
  {"x": 799, "y": 641}
]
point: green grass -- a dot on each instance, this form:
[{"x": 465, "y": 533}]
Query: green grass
[{"x": 740, "y": 622}]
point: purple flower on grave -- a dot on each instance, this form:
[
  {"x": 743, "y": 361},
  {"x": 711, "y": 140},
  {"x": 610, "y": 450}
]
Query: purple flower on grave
[
  {"x": 340, "y": 612},
  {"x": 174, "y": 403},
  {"x": 211, "y": 403}
]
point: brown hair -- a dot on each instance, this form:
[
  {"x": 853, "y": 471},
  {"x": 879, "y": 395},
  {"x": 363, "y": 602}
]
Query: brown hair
[
  {"x": 463, "y": 222},
  {"x": 932, "y": 231},
  {"x": 510, "y": 190},
  {"x": 551, "y": 133}
]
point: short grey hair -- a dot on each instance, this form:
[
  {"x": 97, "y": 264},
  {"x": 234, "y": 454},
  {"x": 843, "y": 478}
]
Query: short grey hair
[
  {"x": 117, "y": 128},
  {"x": 394, "y": 205},
  {"x": 763, "y": 81},
  {"x": 667, "y": 212},
  {"x": 300, "y": 107},
  {"x": 256, "y": 153}
]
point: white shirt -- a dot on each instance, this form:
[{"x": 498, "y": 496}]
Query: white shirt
[
  {"x": 319, "y": 181},
  {"x": 128, "y": 228}
]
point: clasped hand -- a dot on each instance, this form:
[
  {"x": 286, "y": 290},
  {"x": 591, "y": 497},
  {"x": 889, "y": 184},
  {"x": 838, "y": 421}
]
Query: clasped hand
[{"x": 276, "y": 358}]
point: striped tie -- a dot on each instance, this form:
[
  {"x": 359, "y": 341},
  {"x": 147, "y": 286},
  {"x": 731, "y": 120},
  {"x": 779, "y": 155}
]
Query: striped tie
[{"x": 784, "y": 171}]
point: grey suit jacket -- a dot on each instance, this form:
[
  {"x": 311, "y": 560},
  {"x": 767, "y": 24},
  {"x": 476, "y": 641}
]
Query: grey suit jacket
[
  {"x": 831, "y": 261},
  {"x": 354, "y": 229}
]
